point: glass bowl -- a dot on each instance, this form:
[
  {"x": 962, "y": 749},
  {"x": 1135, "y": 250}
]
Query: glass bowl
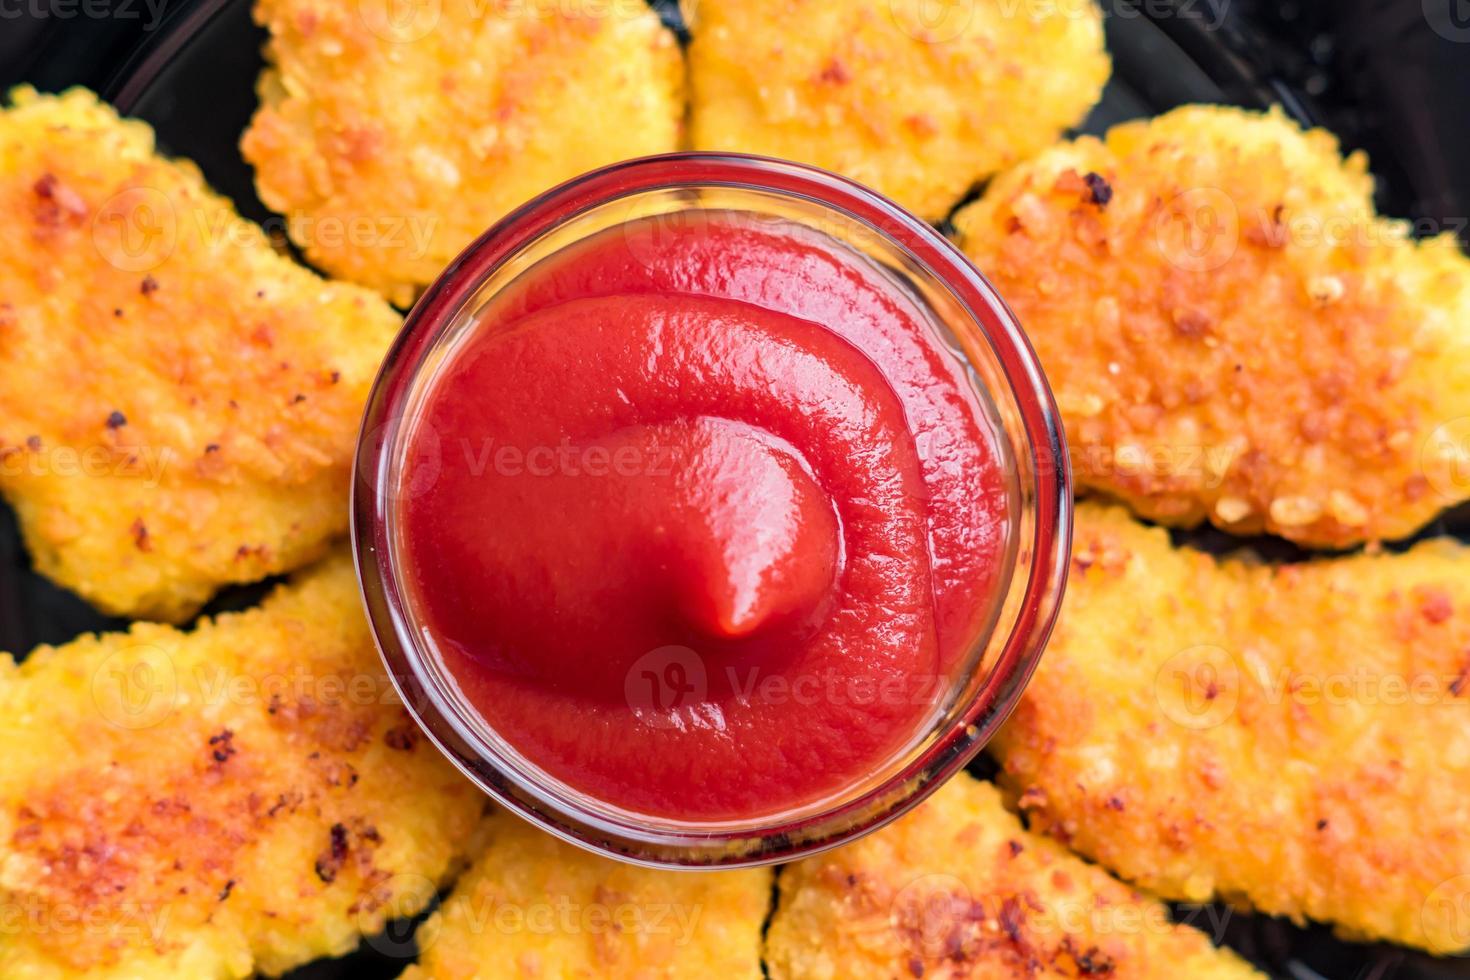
[{"x": 969, "y": 321}]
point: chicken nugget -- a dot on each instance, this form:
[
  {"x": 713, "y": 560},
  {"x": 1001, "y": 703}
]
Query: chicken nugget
[
  {"x": 180, "y": 402},
  {"x": 1231, "y": 332},
  {"x": 919, "y": 100},
  {"x": 959, "y": 889},
  {"x": 245, "y": 797},
  {"x": 391, "y": 142},
  {"x": 1295, "y": 738},
  {"x": 533, "y": 906}
]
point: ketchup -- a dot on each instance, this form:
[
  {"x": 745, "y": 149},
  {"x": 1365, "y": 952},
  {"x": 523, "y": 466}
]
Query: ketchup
[{"x": 701, "y": 517}]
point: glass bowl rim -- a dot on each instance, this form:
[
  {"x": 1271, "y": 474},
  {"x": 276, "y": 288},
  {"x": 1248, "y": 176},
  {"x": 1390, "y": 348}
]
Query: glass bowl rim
[{"x": 1050, "y": 495}]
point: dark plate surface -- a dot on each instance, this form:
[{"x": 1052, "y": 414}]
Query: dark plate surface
[{"x": 194, "y": 81}]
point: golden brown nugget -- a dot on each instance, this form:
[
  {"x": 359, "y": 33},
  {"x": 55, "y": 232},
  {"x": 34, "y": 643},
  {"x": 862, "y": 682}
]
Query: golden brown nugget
[
  {"x": 1294, "y": 737},
  {"x": 180, "y": 402},
  {"x": 535, "y": 907},
  {"x": 958, "y": 889},
  {"x": 920, "y": 100},
  {"x": 245, "y": 797},
  {"x": 1232, "y": 334},
  {"x": 390, "y": 143}
]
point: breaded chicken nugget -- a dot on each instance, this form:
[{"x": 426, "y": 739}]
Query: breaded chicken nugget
[
  {"x": 391, "y": 142},
  {"x": 535, "y": 907},
  {"x": 1231, "y": 333},
  {"x": 180, "y": 402},
  {"x": 958, "y": 889},
  {"x": 918, "y": 99},
  {"x": 1293, "y": 737},
  {"x": 242, "y": 798}
]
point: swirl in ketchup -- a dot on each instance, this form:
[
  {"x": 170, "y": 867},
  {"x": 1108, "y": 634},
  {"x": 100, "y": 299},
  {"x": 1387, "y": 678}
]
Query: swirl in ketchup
[{"x": 704, "y": 519}]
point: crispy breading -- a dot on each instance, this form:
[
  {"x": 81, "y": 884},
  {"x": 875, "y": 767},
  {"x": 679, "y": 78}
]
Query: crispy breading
[
  {"x": 1294, "y": 737},
  {"x": 391, "y": 142},
  {"x": 919, "y": 100},
  {"x": 180, "y": 401},
  {"x": 1231, "y": 333},
  {"x": 245, "y": 797},
  {"x": 533, "y": 907},
  {"x": 959, "y": 889}
]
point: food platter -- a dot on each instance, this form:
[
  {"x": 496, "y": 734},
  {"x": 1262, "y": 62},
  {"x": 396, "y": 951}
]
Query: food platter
[{"x": 194, "y": 81}]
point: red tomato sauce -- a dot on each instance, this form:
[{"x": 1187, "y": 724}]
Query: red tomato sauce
[{"x": 704, "y": 520}]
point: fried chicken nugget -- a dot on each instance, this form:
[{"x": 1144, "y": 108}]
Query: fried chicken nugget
[
  {"x": 1232, "y": 334},
  {"x": 919, "y": 100},
  {"x": 241, "y": 798},
  {"x": 180, "y": 402},
  {"x": 391, "y": 142},
  {"x": 958, "y": 889},
  {"x": 1293, "y": 737},
  {"x": 533, "y": 907}
]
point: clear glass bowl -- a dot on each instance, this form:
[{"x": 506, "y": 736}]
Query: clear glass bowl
[{"x": 969, "y": 319}]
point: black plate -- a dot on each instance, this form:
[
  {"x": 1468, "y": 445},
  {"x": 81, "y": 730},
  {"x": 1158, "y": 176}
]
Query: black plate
[{"x": 194, "y": 81}]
